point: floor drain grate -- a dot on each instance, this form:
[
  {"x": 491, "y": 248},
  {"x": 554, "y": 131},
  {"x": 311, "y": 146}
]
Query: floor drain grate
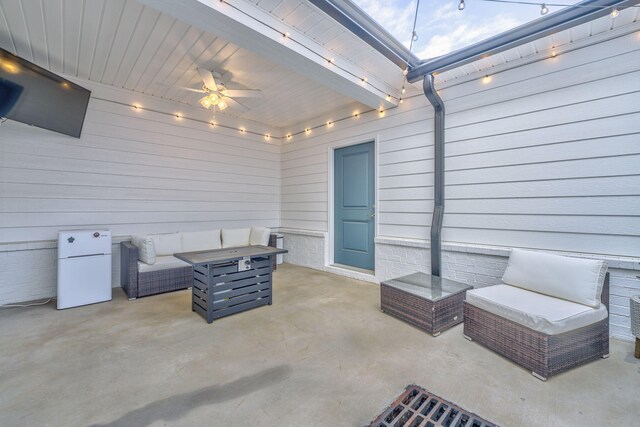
[{"x": 417, "y": 407}]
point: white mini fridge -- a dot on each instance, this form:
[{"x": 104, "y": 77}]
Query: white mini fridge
[{"x": 84, "y": 267}]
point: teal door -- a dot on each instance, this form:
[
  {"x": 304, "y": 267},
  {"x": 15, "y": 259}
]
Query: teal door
[{"x": 354, "y": 206}]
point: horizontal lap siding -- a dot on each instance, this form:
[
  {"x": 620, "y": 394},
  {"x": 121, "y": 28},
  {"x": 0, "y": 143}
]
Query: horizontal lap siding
[
  {"x": 544, "y": 156},
  {"x": 134, "y": 172},
  {"x": 403, "y": 134}
]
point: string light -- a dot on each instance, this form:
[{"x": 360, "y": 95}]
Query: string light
[
  {"x": 461, "y": 5},
  {"x": 388, "y": 97},
  {"x": 403, "y": 90},
  {"x": 178, "y": 115},
  {"x": 414, "y": 36},
  {"x": 288, "y": 136},
  {"x": 486, "y": 79},
  {"x": 329, "y": 123},
  {"x": 267, "y": 136},
  {"x": 405, "y": 71},
  {"x": 543, "y": 9},
  {"x": 614, "y": 12},
  {"x": 356, "y": 115},
  {"x": 307, "y": 130},
  {"x": 137, "y": 107}
]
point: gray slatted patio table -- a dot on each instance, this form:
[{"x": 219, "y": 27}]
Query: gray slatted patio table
[
  {"x": 428, "y": 302},
  {"x": 228, "y": 281}
]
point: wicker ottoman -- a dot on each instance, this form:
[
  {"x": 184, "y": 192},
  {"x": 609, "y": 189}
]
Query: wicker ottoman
[
  {"x": 635, "y": 322},
  {"x": 428, "y": 302}
]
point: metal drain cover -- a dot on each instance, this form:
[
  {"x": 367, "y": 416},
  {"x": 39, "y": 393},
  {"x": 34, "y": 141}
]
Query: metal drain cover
[{"x": 417, "y": 407}]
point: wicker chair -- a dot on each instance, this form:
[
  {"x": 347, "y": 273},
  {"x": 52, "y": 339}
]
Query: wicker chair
[{"x": 541, "y": 353}]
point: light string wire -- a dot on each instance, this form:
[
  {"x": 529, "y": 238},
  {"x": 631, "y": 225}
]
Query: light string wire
[
  {"x": 361, "y": 79},
  {"x": 554, "y": 4}
]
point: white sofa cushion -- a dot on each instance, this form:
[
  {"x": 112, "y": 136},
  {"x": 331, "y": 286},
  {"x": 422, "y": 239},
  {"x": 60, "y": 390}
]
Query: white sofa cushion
[
  {"x": 234, "y": 237},
  {"x": 539, "y": 312},
  {"x": 162, "y": 263},
  {"x": 146, "y": 249},
  {"x": 167, "y": 244},
  {"x": 574, "y": 279},
  {"x": 193, "y": 241},
  {"x": 259, "y": 236}
]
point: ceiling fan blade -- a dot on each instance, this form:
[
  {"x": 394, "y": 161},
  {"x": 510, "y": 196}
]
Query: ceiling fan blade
[
  {"x": 207, "y": 78},
  {"x": 243, "y": 93},
  {"x": 190, "y": 89},
  {"x": 235, "y": 104}
]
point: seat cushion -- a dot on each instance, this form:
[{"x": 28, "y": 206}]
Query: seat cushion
[
  {"x": 234, "y": 237},
  {"x": 259, "y": 236},
  {"x": 200, "y": 240},
  {"x": 167, "y": 244},
  {"x": 539, "y": 312},
  {"x": 574, "y": 279},
  {"x": 146, "y": 249},
  {"x": 162, "y": 263}
]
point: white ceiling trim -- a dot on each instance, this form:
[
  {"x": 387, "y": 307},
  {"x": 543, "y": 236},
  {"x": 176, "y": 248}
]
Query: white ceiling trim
[{"x": 251, "y": 28}]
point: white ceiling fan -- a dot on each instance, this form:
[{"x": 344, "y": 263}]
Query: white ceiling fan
[{"x": 217, "y": 96}]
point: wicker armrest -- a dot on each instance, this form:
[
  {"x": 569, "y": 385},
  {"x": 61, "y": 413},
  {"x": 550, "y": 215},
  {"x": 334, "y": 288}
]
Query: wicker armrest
[{"x": 129, "y": 269}]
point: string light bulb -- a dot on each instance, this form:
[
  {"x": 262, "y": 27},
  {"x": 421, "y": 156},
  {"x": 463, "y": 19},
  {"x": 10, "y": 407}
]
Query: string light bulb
[
  {"x": 308, "y": 130},
  {"x": 461, "y": 5},
  {"x": 414, "y": 36},
  {"x": 543, "y": 9},
  {"x": 388, "y": 97},
  {"x": 288, "y": 136},
  {"x": 405, "y": 71},
  {"x": 329, "y": 123},
  {"x": 356, "y": 115},
  {"x": 615, "y": 12},
  {"x": 403, "y": 90},
  {"x": 267, "y": 137}
]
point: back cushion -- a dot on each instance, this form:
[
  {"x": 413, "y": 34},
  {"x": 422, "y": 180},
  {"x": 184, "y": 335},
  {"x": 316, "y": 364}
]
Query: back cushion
[
  {"x": 574, "y": 279},
  {"x": 146, "y": 249},
  {"x": 259, "y": 236},
  {"x": 167, "y": 244},
  {"x": 235, "y": 237},
  {"x": 201, "y": 240}
]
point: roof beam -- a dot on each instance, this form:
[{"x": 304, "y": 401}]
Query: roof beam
[
  {"x": 577, "y": 14},
  {"x": 363, "y": 26},
  {"x": 251, "y": 28}
]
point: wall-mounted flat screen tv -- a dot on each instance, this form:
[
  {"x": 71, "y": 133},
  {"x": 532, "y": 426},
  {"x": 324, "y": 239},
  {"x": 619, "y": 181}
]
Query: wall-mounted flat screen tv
[{"x": 32, "y": 95}]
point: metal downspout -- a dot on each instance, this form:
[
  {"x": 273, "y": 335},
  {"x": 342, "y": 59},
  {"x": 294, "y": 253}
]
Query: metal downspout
[{"x": 438, "y": 174}]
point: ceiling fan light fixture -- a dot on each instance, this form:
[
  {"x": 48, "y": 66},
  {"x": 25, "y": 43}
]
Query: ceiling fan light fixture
[
  {"x": 222, "y": 105},
  {"x": 206, "y": 102}
]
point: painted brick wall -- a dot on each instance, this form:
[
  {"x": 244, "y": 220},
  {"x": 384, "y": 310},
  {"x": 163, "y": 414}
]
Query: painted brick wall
[
  {"x": 29, "y": 271},
  {"x": 306, "y": 249}
]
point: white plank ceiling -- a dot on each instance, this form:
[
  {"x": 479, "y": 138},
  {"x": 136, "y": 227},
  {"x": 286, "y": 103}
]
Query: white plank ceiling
[{"x": 128, "y": 45}]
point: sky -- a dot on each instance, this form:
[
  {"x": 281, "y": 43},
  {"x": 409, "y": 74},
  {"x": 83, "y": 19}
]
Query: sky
[{"x": 442, "y": 28}]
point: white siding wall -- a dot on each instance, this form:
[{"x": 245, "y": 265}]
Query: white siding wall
[
  {"x": 544, "y": 156},
  {"x": 132, "y": 172}
]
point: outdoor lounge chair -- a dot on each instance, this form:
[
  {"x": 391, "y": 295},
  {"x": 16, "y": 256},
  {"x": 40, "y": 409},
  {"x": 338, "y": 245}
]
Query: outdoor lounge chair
[{"x": 550, "y": 315}]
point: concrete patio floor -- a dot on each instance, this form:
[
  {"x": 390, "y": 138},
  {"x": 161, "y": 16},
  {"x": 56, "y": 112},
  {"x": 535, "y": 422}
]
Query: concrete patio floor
[{"x": 322, "y": 355}]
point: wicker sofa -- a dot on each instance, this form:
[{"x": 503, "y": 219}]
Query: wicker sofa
[
  {"x": 148, "y": 266},
  {"x": 550, "y": 315}
]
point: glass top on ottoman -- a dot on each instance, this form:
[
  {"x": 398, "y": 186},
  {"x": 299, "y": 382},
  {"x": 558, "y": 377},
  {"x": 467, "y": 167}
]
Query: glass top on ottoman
[{"x": 432, "y": 288}]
